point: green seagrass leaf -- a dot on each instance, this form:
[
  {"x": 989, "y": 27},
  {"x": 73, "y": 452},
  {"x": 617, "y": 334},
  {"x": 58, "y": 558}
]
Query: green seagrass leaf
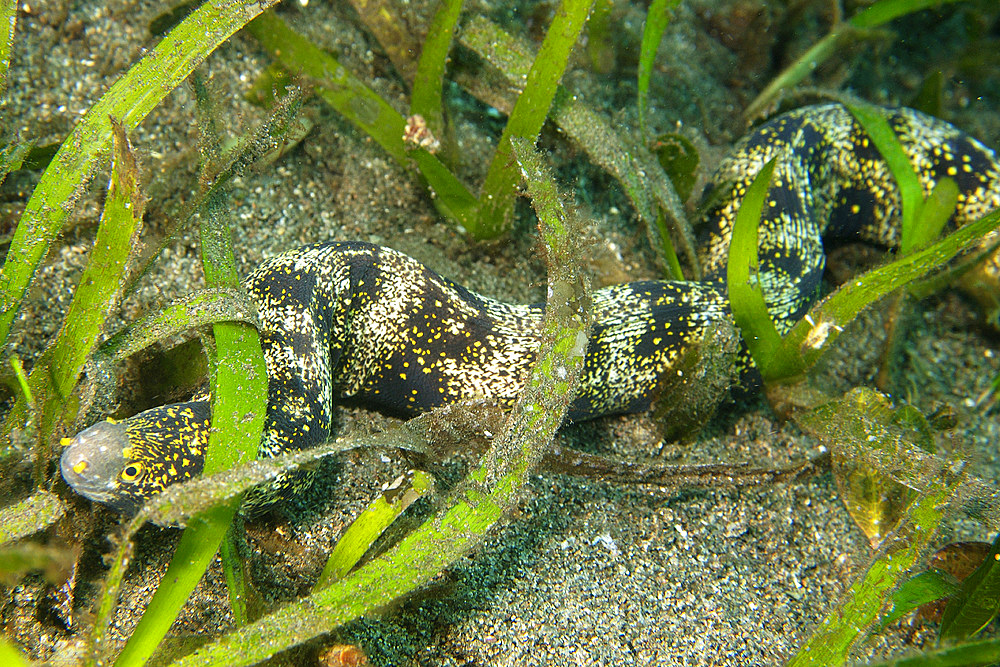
[
  {"x": 372, "y": 523},
  {"x": 915, "y": 592},
  {"x": 657, "y": 17},
  {"x": 977, "y": 602}
]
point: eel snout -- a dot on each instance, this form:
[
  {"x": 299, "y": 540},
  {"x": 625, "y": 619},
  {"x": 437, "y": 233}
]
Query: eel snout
[{"x": 94, "y": 459}]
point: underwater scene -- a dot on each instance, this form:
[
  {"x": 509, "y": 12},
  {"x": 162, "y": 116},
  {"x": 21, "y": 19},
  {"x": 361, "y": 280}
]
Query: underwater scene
[{"x": 441, "y": 333}]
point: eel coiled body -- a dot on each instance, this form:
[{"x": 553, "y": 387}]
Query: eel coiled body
[{"x": 355, "y": 320}]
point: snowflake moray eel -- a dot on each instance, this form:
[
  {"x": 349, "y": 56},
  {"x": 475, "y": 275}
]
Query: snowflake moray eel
[{"x": 355, "y": 320}]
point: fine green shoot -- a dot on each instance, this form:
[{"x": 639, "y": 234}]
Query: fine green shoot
[
  {"x": 8, "y": 21},
  {"x": 496, "y": 199},
  {"x": 746, "y": 294},
  {"x": 428, "y": 84},
  {"x": 922, "y": 220},
  {"x": 371, "y": 523},
  {"x": 657, "y": 18},
  {"x": 855, "y": 28}
]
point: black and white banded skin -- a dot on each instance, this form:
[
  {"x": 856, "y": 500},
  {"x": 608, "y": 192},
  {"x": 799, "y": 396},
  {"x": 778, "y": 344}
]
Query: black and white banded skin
[{"x": 355, "y": 320}]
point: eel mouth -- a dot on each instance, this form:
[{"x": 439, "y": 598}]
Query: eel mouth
[{"x": 94, "y": 459}]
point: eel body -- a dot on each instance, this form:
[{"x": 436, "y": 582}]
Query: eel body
[{"x": 354, "y": 320}]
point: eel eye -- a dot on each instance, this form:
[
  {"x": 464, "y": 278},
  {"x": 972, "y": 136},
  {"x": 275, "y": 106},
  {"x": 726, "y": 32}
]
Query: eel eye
[{"x": 132, "y": 472}]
